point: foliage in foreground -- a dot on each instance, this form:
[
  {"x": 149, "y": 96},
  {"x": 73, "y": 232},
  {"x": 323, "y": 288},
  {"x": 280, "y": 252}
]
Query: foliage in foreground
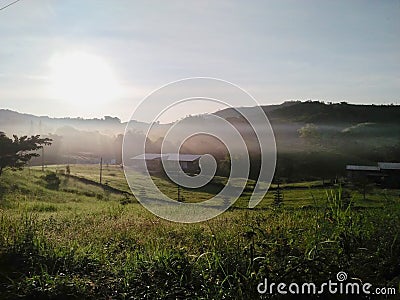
[
  {"x": 82, "y": 246},
  {"x": 18, "y": 151}
]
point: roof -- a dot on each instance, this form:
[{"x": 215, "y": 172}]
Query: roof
[
  {"x": 362, "y": 168},
  {"x": 167, "y": 156},
  {"x": 182, "y": 157},
  {"x": 389, "y": 166},
  {"x": 147, "y": 156}
]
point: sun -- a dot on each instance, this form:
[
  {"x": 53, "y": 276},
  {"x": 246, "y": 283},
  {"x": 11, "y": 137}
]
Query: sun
[{"x": 82, "y": 79}]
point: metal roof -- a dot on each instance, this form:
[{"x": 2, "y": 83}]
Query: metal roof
[
  {"x": 389, "y": 166},
  {"x": 147, "y": 156},
  {"x": 362, "y": 168},
  {"x": 182, "y": 157},
  {"x": 167, "y": 156}
]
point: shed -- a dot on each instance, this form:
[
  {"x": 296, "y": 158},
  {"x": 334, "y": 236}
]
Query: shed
[
  {"x": 153, "y": 161},
  {"x": 386, "y": 174},
  {"x": 370, "y": 173},
  {"x": 391, "y": 173},
  {"x": 188, "y": 162},
  {"x": 150, "y": 161},
  {"x": 389, "y": 166}
]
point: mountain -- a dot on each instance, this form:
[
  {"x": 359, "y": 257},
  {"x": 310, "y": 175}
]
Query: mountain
[
  {"x": 321, "y": 113},
  {"x": 336, "y": 113},
  {"x": 314, "y": 139},
  {"x": 234, "y": 112},
  {"x": 289, "y": 113},
  {"x": 13, "y": 122}
]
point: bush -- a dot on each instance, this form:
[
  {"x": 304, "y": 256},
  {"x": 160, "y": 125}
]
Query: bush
[{"x": 52, "y": 181}]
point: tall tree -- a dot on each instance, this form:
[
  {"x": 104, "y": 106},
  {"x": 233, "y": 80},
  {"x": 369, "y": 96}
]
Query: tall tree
[
  {"x": 16, "y": 152},
  {"x": 309, "y": 132}
]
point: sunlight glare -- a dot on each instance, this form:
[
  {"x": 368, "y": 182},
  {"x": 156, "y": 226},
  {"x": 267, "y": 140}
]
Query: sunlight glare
[{"x": 81, "y": 78}]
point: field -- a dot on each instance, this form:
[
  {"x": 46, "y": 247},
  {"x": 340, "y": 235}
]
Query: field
[
  {"x": 295, "y": 194},
  {"x": 80, "y": 240}
]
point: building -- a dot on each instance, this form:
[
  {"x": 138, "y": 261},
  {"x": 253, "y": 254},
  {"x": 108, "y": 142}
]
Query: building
[
  {"x": 354, "y": 172},
  {"x": 385, "y": 174},
  {"x": 154, "y": 162},
  {"x": 391, "y": 174},
  {"x": 188, "y": 162},
  {"x": 150, "y": 161}
]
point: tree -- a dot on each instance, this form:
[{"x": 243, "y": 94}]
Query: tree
[
  {"x": 363, "y": 186},
  {"x": 225, "y": 166},
  {"x": 17, "y": 152},
  {"x": 68, "y": 170},
  {"x": 52, "y": 181},
  {"x": 309, "y": 131},
  {"x": 311, "y": 136}
]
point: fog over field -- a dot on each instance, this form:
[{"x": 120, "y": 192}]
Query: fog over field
[{"x": 342, "y": 133}]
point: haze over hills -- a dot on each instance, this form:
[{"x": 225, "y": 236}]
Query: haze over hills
[
  {"x": 308, "y": 135},
  {"x": 323, "y": 113},
  {"x": 13, "y": 122}
]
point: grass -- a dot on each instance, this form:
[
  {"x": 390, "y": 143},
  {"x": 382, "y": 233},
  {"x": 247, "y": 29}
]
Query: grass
[
  {"x": 295, "y": 194},
  {"x": 81, "y": 242}
]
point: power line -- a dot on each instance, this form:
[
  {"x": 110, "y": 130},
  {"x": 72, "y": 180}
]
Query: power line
[{"x": 9, "y": 4}]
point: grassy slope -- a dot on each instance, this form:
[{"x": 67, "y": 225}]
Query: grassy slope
[
  {"x": 80, "y": 241},
  {"x": 295, "y": 194}
]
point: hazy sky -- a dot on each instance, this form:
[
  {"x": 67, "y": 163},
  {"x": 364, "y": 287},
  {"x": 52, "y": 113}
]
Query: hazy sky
[{"x": 107, "y": 55}]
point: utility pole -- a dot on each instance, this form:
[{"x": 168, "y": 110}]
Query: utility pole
[
  {"x": 101, "y": 169},
  {"x": 43, "y": 159},
  {"x": 179, "y": 189},
  {"x": 278, "y": 195}
]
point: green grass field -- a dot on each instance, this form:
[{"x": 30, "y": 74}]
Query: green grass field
[
  {"x": 83, "y": 241},
  {"x": 295, "y": 194}
]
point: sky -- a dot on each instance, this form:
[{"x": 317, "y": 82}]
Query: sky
[{"x": 94, "y": 58}]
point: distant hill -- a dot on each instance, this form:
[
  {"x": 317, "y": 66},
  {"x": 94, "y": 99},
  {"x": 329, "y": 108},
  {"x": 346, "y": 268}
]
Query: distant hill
[
  {"x": 322, "y": 113},
  {"x": 336, "y": 113},
  {"x": 313, "y": 139},
  {"x": 19, "y": 123},
  {"x": 290, "y": 112},
  {"x": 233, "y": 112}
]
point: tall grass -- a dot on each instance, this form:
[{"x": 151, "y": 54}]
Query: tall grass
[{"x": 86, "y": 247}]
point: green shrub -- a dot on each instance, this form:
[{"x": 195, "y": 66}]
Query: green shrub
[{"x": 52, "y": 181}]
